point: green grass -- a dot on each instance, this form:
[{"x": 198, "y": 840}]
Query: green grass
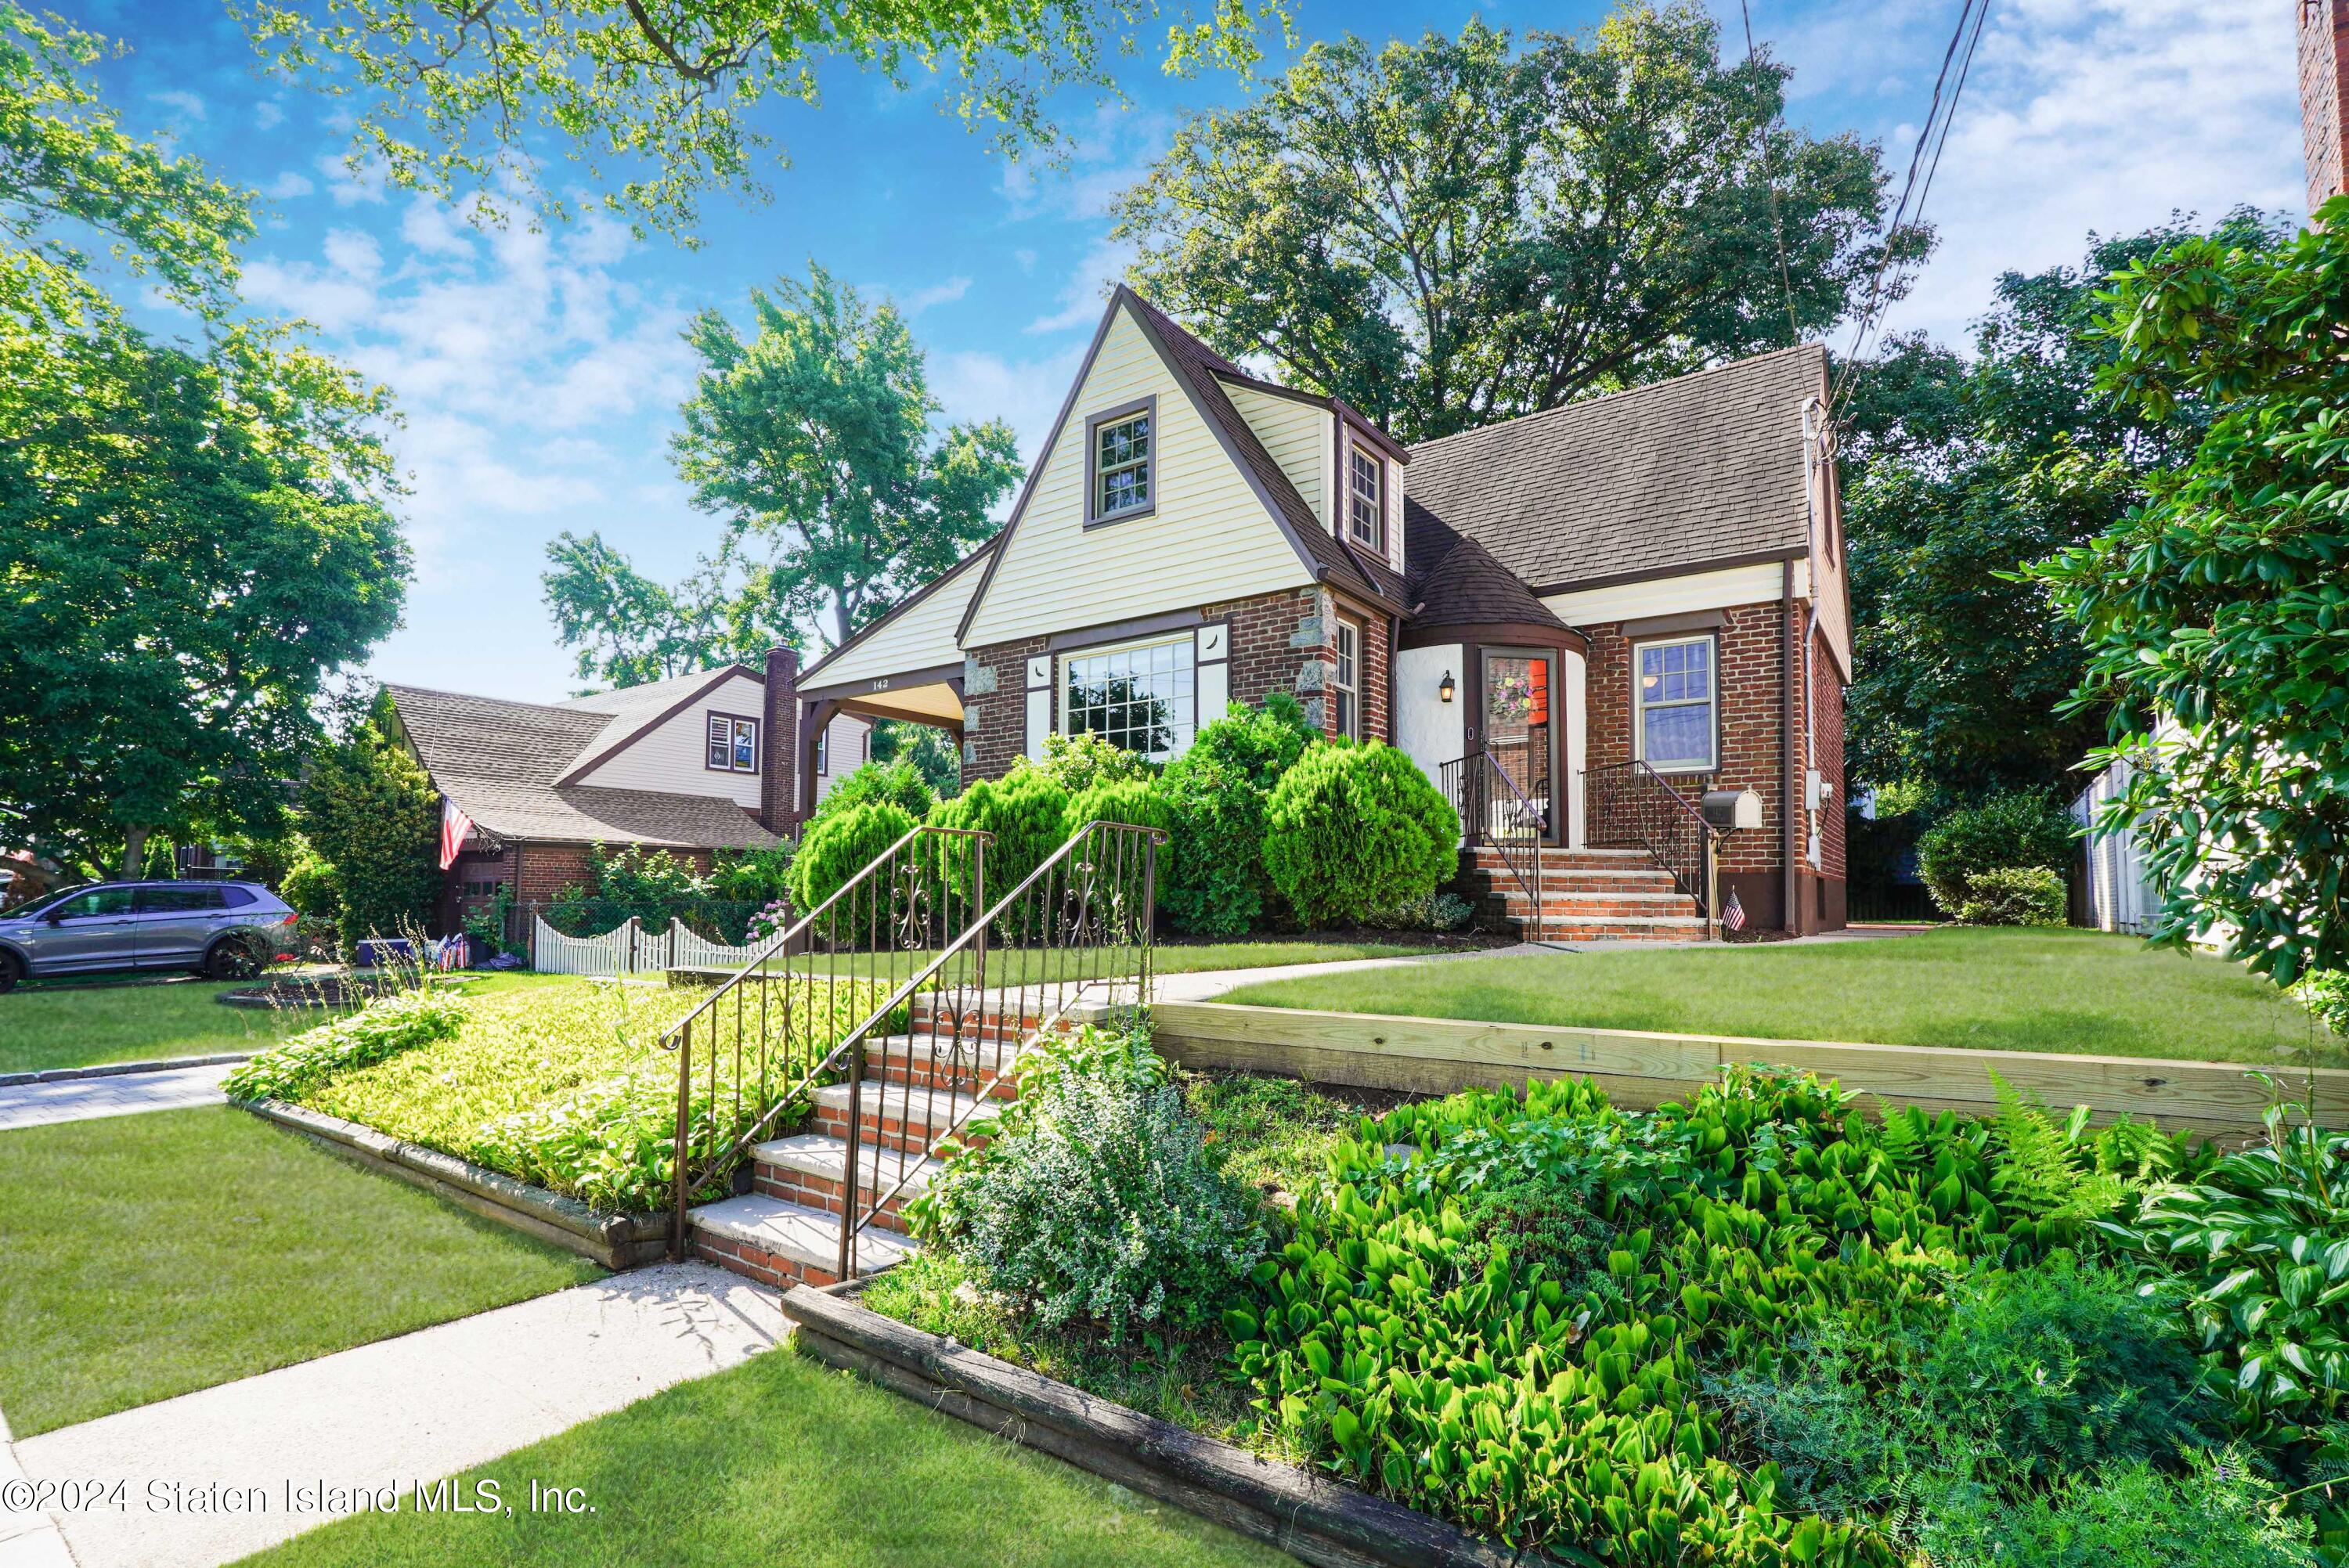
[
  {"x": 781, "y": 1460},
  {"x": 1021, "y": 966},
  {"x": 145, "y": 1256},
  {"x": 2009, "y": 990}
]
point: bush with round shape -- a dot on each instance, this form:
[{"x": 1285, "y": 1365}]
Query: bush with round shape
[
  {"x": 1216, "y": 792},
  {"x": 1352, "y": 830},
  {"x": 1140, "y": 803},
  {"x": 2017, "y": 829},
  {"x": 833, "y": 851},
  {"x": 2013, "y": 895},
  {"x": 1081, "y": 762},
  {"x": 1025, "y": 811},
  {"x": 308, "y": 888},
  {"x": 897, "y": 783}
]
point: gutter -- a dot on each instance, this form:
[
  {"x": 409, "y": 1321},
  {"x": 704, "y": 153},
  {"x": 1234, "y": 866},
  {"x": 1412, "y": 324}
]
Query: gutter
[{"x": 1790, "y": 848}]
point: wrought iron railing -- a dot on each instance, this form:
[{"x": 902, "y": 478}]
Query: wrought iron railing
[
  {"x": 1630, "y": 805},
  {"x": 1494, "y": 812},
  {"x": 766, "y": 1037}
]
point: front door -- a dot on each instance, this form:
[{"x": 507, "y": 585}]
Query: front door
[{"x": 1518, "y": 725}]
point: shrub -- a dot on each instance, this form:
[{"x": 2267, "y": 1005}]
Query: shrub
[
  {"x": 1353, "y": 830},
  {"x": 753, "y": 876},
  {"x": 1025, "y": 811},
  {"x": 653, "y": 886},
  {"x": 2017, "y": 829},
  {"x": 897, "y": 783},
  {"x": 308, "y": 887},
  {"x": 372, "y": 815},
  {"x": 1098, "y": 1201},
  {"x": 1217, "y": 792},
  {"x": 1081, "y": 762},
  {"x": 2218, "y": 1514},
  {"x": 2013, "y": 895},
  {"x": 379, "y": 1030},
  {"x": 1436, "y": 912},
  {"x": 2325, "y": 994},
  {"x": 834, "y": 849}
]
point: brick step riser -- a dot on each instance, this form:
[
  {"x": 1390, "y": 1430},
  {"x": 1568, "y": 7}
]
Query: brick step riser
[
  {"x": 817, "y": 1192},
  {"x": 1597, "y": 887},
  {"x": 920, "y": 1074},
  {"x": 1565, "y": 859},
  {"x": 1568, "y": 933},
  {"x": 755, "y": 1262},
  {"x": 1518, "y": 905},
  {"x": 892, "y": 1133}
]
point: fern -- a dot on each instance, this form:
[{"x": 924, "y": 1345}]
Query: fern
[{"x": 2039, "y": 1173}]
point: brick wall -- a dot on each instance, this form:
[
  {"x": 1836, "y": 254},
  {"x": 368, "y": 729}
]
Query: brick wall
[
  {"x": 778, "y": 738},
  {"x": 2324, "y": 51},
  {"x": 1826, "y": 733},
  {"x": 995, "y": 723}
]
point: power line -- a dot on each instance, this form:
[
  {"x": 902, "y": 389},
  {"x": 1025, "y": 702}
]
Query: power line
[
  {"x": 1770, "y": 183},
  {"x": 1935, "y": 136}
]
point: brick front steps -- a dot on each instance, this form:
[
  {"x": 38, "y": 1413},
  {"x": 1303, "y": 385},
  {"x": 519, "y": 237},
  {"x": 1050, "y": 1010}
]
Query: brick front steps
[
  {"x": 786, "y": 1228},
  {"x": 1588, "y": 895}
]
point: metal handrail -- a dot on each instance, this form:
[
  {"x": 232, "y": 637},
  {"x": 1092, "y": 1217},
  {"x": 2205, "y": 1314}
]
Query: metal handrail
[
  {"x": 1466, "y": 785},
  {"x": 1644, "y": 811}
]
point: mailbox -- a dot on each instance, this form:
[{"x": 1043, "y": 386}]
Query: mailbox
[{"x": 1730, "y": 809}]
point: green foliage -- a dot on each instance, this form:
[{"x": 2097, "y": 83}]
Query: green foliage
[
  {"x": 1398, "y": 223},
  {"x": 931, "y": 751},
  {"x": 1025, "y": 811},
  {"x": 630, "y": 630},
  {"x": 815, "y": 435},
  {"x": 674, "y": 95},
  {"x": 2013, "y": 895},
  {"x": 833, "y": 851},
  {"x": 752, "y": 876},
  {"x": 1215, "y": 883},
  {"x": 897, "y": 783},
  {"x": 653, "y": 886},
  {"x": 375, "y": 818},
  {"x": 2213, "y": 614},
  {"x": 1138, "y": 802},
  {"x": 1436, "y": 912},
  {"x": 2015, "y": 829},
  {"x": 2327, "y": 996},
  {"x": 1351, "y": 830},
  {"x": 1097, "y": 1200},
  {"x": 1080, "y": 762},
  {"x": 376, "y": 1032},
  {"x": 308, "y": 887},
  {"x": 2220, "y": 1513}
]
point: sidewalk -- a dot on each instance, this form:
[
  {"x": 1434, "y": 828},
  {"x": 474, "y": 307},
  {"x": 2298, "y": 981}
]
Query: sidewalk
[
  {"x": 395, "y": 1413},
  {"x": 125, "y": 1094}
]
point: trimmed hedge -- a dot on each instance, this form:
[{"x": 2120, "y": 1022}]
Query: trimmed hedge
[
  {"x": 1216, "y": 884},
  {"x": 2017, "y": 829},
  {"x": 1352, "y": 831},
  {"x": 1023, "y": 809},
  {"x": 835, "y": 848}
]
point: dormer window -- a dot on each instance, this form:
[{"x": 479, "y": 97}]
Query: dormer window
[
  {"x": 1366, "y": 499},
  {"x": 1120, "y": 460},
  {"x": 733, "y": 744}
]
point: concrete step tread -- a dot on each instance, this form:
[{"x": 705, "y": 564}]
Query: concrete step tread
[
  {"x": 985, "y": 1053},
  {"x": 1643, "y": 922},
  {"x": 822, "y": 1155},
  {"x": 805, "y": 1235},
  {"x": 901, "y": 1102}
]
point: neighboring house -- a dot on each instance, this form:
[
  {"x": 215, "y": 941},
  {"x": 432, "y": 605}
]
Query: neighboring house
[
  {"x": 2119, "y": 895},
  {"x": 1653, "y": 577},
  {"x": 682, "y": 765}
]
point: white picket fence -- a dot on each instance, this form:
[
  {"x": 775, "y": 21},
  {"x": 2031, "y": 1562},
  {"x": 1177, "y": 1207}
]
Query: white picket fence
[{"x": 628, "y": 949}]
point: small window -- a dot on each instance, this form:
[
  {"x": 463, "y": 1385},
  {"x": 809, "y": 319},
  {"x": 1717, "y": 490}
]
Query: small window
[
  {"x": 1121, "y": 464},
  {"x": 1366, "y": 513},
  {"x": 733, "y": 744},
  {"x": 1675, "y": 694},
  {"x": 236, "y": 897},
  {"x": 824, "y": 749},
  {"x": 1347, "y": 685},
  {"x": 98, "y": 904},
  {"x": 482, "y": 888},
  {"x": 178, "y": 900}
]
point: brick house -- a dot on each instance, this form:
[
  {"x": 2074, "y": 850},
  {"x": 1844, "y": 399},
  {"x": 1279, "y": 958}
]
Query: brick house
[
  {"x": 1645, "y": 587},
  {"x": 677, "y": 764}
]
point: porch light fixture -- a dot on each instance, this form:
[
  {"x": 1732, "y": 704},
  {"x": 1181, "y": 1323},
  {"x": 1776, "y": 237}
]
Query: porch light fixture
[{"x": 1444, "y": 692}]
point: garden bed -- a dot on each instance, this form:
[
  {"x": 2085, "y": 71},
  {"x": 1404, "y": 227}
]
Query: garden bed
[{"x": 353, "y": 989}]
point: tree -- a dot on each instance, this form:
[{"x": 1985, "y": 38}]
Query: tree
[
  {"x": 630, "y": 630},
  {"x": 458, "y": 99},
  {"x": 928, "y": 750},
  {"x": 1457, "y": 231},
  {"x": 372, "y": 816},
  {"x": 1959, "y": 471},
  {"x": 2217, "y": 613},
  {"x": 815, "y": 436}
]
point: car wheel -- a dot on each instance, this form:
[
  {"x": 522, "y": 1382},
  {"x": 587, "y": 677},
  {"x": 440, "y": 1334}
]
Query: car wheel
[
  {"x": 12, "y": 969},
  {"x": 231, "y": 960}
]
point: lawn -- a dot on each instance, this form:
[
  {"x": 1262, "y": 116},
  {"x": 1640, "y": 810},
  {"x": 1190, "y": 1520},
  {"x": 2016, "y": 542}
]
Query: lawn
[
  {"x": 781, "y": 1460},
  {"x": 2014, "y": 990},
  {"x": 1027, "y": 966},
  {"x": 145, "y": 1256}
]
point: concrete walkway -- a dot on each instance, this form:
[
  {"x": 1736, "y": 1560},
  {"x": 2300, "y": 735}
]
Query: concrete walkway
[
  {"x": 125, "y": 1094},
  {"x": 395, "y": 1413}
]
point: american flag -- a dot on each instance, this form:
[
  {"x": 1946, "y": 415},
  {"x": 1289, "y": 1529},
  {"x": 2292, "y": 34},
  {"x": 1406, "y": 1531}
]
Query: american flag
[
  {"x": 454, "y": 826},
  {"x": 1732, "y": 916}
]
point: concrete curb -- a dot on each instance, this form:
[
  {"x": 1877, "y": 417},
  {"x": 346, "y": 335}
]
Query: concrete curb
[
  {"x": 614, "y": 1241},
  {"x": 117, "y": 1069}
]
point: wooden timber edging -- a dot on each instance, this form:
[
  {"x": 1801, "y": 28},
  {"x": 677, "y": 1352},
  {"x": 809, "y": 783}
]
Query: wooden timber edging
[
  {"x": 1312, "y": 1517},
  {"x": 1641, "y": 1069},
  {"x": 614, "y": 1241}
]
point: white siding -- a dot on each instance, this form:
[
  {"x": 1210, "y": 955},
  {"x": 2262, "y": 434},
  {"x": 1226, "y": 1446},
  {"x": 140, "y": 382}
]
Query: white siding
[
  {"x": 672, "y": 757},
  {"x": 1209, "y": 539},
  {"x": 920, "y": 639},
  {"x": 1678, "y": 596},
  {"x": 1299, "y": 436},
  {"x": 845, "y": 740}
]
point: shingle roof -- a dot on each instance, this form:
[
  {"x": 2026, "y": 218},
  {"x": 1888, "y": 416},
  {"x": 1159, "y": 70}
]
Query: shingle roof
[
  {"x": 1205, "y": 371},
  {"x": 1461, "y": 584},
  {"x": 1690, "y": 472},
  {"x": 499, "y": 761}
]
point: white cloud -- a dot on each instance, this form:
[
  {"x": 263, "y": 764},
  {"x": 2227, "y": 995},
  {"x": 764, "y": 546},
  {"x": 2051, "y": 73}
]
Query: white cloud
[
  {"x": 346, "y": 187},
  {"x": 946, "y": 292},
  {"x": 1088, "y": 286},
  {"x": 189, "y": 104},
  {"x": 269, "y": 114},
  {"x": 286, "y": 186},
  {"x": 435, "y": 228},
  {"x": 1025, "y": 393}
]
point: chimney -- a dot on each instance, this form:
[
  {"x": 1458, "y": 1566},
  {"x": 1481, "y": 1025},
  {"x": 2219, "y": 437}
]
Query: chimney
[
  {"x": 2323, "y": 49},
  {"x": 779, "y": 793}
]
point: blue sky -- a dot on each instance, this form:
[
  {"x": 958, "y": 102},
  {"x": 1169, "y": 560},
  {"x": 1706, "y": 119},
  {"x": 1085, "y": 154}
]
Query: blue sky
[{"x": 539, "y": 373}]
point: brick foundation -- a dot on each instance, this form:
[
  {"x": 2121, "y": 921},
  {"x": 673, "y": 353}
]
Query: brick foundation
[{"x": 766, "y": 1267}]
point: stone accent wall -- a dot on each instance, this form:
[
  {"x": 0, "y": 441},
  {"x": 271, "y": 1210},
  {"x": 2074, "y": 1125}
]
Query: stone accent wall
[
  {"x": 994, "y": 718},
  {"x": 2324, "y": 51},
  {"x": 1281, "y": 642}
]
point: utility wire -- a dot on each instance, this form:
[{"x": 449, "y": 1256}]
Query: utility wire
[
  {"x": 1770, "y": 183},
  {"x": 1924, "y": 162}
]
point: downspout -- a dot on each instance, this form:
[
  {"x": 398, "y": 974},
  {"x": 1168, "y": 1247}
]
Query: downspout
[{"x": 1791, "y": 848}]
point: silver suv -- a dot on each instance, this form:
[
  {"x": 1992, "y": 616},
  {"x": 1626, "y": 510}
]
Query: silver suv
[{"x": 223, "y": 929}]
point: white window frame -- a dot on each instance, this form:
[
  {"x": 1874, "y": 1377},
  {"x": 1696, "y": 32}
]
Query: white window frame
[
  {"x": 1346, "y": 677},
  {"x": 1358, "y": 456},
  {"x": 1642, "y": 706},
  {"x": 733, "y": 725},
  {"x": 1065, "y": 718},
  {"x": 1143, "y": 411}
]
